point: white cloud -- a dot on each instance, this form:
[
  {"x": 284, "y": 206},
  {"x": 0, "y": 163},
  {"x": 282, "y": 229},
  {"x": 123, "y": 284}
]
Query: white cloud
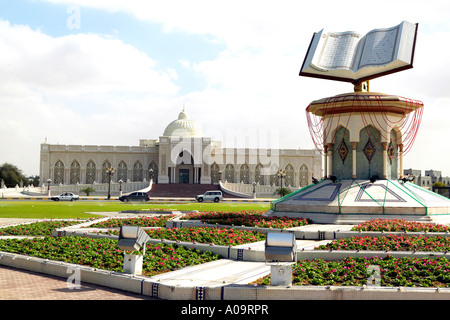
[
  {"x": 76, "y": 89},
  {"x": 78, "y": 64}
]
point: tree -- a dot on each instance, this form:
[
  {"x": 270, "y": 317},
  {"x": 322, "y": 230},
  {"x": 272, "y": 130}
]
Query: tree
[
  {"x": 11, "y": 175},
  {"x": 439, "y": 184},
  {"x": 441, "y": 188},
  {"x": 282, "y": 191},
  {"x": 34, "y": 180},
  {"x": 87, "y": 190}
]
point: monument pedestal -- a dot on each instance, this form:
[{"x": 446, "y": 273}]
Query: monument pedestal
[{"x": 350, "y": 201}]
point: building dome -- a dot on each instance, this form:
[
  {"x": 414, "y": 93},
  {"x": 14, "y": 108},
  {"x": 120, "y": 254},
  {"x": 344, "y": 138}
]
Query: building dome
[{"x": 183, "y": 127}]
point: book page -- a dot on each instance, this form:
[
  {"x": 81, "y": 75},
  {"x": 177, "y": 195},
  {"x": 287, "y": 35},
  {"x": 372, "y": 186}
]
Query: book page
[
  {"x": 379, "y": 47},
  {"x": 339, "y": 50},
  {"x": 348, "y": 56}
]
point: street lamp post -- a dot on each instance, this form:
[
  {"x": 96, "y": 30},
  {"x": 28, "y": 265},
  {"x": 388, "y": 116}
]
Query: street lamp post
[
  {"x": 120, "y": 187},
  {"x": 49, "y": 181},
  {"x": 281, "y": 174},
  {"x": 109, "y": 171},
  {"x": 254, "y": 190}
]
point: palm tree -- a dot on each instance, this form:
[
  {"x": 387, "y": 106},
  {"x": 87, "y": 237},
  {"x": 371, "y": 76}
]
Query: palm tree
[{"x": 87, "y": 190}]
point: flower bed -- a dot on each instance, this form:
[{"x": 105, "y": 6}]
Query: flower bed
[
  {"x": 394, "y": 272},
  {"x": 398, "y": 225},
  {"x": 246, "y": 218},
  {"x": 157, "y": 221},
  {"x": 105, "y": 254},
  {"x": 217, "y": 236},
  {"x": 43, "y": 228},
  {"x": 390, "y": 243}
]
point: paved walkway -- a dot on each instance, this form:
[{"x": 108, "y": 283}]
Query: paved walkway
[{"x": 17, "y": 284}]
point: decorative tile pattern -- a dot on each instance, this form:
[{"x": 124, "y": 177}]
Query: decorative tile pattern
[
  {"x": 325, "y": 192},
  {"x": 343, "y": 150},
  {"x": 377, "y": 192},
  {"x": 369, "y": 150}
]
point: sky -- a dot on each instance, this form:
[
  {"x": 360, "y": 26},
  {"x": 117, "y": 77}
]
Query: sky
[{"x": 110, "y": 72}]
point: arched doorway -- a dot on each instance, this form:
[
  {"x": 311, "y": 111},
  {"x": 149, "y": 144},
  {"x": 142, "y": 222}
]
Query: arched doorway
[{"x": 185, "y": 171}]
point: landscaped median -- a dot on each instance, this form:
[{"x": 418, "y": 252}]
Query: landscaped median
[{"x": 393, "y": 253}]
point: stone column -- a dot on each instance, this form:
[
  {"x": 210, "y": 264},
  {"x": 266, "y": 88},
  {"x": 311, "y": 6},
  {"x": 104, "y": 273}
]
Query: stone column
[
  {"x": 82, "y": 176},
  {"x": 354, "y": 144},
  {"x": 330, "y": 159},
  {"x": 197, "y": 174},
  {"x": 385, "y": 157},
  {"x": 172, "y": 177},
  {"x": 325, "y": 158},
  {"x": 66, "y": 176},
  {"x": 98, "y": 176},
  {"x": 252, "y": 175},
  {"x": 400, "y": 175}
]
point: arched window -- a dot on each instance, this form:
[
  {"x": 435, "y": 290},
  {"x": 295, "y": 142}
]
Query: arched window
[
  {"x": 153, "y": 171},
  {"x": 138, "y": 172},
  {"x": 259, "y": 178},
  {"x": 289, "y": 182},
  {"x": 274, "y": 180},
  {"x": 90, "y": 172},
  {"x": 122, "y": 172},
  {"x": 215, "y": 173},
  {"x": 58, "y": 174},
  {"x": 75, "y": 172},
  {"x": 105, "y": 177},
  {"x": 244, "y": 174},
  {"x": 304, "y": 175},
  {"x": 229, "y": 173}
]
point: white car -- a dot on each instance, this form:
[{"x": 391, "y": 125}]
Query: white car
[
  {"x": 215, "y": 196},
  {"x": 66, "y": 196}
]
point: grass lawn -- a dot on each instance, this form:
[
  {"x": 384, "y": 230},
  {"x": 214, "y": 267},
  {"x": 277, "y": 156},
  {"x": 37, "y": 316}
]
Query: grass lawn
[{"x": 81, "y": 209}]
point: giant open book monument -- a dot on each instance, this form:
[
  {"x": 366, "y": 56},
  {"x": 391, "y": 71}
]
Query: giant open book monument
[
  {"x": 350, "y": 56},
  {"x": 362, "y": 135}
]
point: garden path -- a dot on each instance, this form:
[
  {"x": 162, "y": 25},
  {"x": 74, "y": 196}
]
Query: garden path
[{"x": 18, "y": 284}]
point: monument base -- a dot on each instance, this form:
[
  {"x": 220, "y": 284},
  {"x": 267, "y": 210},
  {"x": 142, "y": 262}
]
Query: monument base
[{"x": 356, "y": 201}]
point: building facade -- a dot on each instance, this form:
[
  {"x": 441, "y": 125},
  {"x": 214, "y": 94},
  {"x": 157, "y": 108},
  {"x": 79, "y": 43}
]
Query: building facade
[
  {"x": 428, "y": 179},
  {"x": 181, "y": 155}
]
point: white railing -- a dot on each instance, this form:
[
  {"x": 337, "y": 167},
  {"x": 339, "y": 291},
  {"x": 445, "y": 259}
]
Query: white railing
[
  {"x": 242, "y": 189},
  {"x": 101, "y": 189}
]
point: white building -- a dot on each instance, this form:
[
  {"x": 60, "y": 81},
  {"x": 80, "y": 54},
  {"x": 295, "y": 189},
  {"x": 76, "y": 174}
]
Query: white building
[{"x": 181, "y": 155}]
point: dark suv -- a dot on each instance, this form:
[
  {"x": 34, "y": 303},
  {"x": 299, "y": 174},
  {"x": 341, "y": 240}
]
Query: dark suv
[{"x": 135, "y": 196}]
